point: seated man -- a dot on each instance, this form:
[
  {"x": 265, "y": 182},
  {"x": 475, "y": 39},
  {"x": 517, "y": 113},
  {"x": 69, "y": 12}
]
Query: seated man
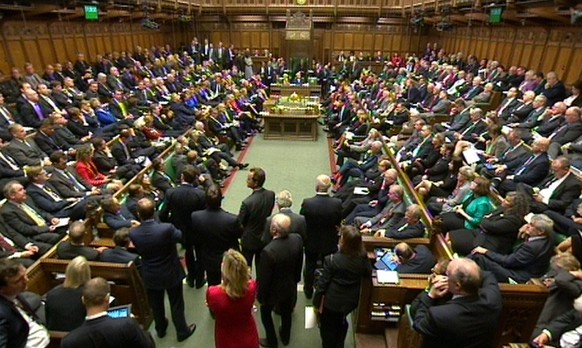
[
  {"x": 418, "y": 260},
  {"x": 562, "y": 331},
  {"x": 409, "y": 227},
  {"x": 389, "y": 216},
  {"x": 114, "y": 216},
  {"x": 75, "y": 246},
  {"x": 470, "y": 318},
  {"x": 66, "y": 182},
  {"x": 555, "y": 193},
  {"x": 530, "y": 259},
  {"x": 120, "y": 254},
  {"x": 25, "y": 219},
  {"x": 22, "y": 150},
  {"x": 101, "y": 330}
]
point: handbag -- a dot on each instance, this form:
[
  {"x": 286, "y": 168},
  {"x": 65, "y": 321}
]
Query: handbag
[{"x": 320, "y": 289}]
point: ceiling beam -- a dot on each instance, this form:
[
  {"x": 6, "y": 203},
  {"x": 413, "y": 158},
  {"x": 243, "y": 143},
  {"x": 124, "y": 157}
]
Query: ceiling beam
[{"x": 548, "y": 13}]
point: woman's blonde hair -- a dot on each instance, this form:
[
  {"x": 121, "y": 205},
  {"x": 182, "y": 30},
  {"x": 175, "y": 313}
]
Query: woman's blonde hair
[
  {"x": 77, "y": 273},
  {"x": 235, "y": 274}
]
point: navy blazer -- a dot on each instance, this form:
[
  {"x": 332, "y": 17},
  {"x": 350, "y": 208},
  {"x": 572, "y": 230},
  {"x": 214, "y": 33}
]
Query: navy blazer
[
  {"x": 13, "y": 327},
  {"x": 43, "y": 200},
  {"x": 530, "y": 260},
  {"x": 156, "y": 244},
  {"x": 323, "y": 215},
  {"x": 463, "y": 322},
  {"x": 108, "y": 332},
  {"x": 534, "y": 172},
  {"x": 180, "y": 203},
  {"x": 422, "y": 262}
]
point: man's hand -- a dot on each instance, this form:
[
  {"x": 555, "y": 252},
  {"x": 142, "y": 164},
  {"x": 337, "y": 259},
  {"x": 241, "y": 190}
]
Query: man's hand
[
  {"x": 373, "y": 203},
  {"x": 538, "y": 197},
  {"x": 439, "y": 288},
  {"x": 542, "y": 339},
  {"x": 54, "y": 221},
  {"x": 500, "y": 169},
  {"x": 26, "y": 254},
  {"x": 101, "y": 249},
  {"x": 32, "y": 248},
  {"x": 366, "y": 224},
  {"x": 135, "y": 223},
  {"x": 95, "y": 191},
  {"x": 380, "y": 233},
  {"x": 479, "y": 250}
]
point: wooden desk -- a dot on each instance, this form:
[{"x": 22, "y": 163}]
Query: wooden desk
[
  {"x": 302, "y": 91},
  {"x": 290, "y": 126}
]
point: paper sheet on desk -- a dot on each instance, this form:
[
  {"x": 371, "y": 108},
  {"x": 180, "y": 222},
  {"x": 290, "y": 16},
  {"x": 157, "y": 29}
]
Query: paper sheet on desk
[
  {"x": 63, "y": 222},
  {"x": 387, "y": 277},
  {"x": 310, "y": 320}
]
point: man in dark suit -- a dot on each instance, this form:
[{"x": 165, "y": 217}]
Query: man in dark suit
[
  {"x": 508, "y": 104},
  {"x": 409, "y": 227},
  {"x": 254, "y": 210},
  {"x": 469, "y": 320},
  {"x": 120, "y": 253},
  {"x": 22, "y": 150},
  {"x": 66, "y": 182},
  {"x": 557, "y": 192},
  {"x": 46, "y": 197},
  {"x": 418, "y": 260},
  {"x": 298, "y": 224},
  {"x": 9, "y": 169},
  {"x": 515, "y": 155},
  {"x": 74, "y": 247},
  {"x": 218, "y": 231},
  {"x": 535, "y": 116},
  {"x": 161, "y": 270},
  {"x": 323, "y": 215},
  {"x": 180, "y": 203},
  {"x": 530, "y": 259},
  {"x": 101, "y": 330},
  {"x": 567, "y": 132},
  {"x": 474, "y": 128},
  {"x": 31, "y": 112},
  {"x": 532, "y": 172},
  {"x": 279, "y": 272},
  {"x": 24, "y": 218},
  {"x": 14, "y": 326}
]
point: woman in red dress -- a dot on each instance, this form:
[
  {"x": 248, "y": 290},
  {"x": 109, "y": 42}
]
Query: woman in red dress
[{"x": 231, "y": 304}]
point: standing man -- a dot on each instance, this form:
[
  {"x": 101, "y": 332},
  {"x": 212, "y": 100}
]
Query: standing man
[
  {"x": 18, "y": 328},
  {"x": 101, "y": 330},
  {"x": 180, "y": 203},
  {"x": 254, "y": 210},
  {"x": 323, "y": 215},
  {"x": 278, "y": 274},
  {"x": 219, "y": 231},
  {"x": 470, "y": 318},
  {"x": 161, "y": 270}
]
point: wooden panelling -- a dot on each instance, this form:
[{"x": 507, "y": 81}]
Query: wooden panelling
[
  {"x": 543, "y": 49},
  {"x": 348, "y": 41}
]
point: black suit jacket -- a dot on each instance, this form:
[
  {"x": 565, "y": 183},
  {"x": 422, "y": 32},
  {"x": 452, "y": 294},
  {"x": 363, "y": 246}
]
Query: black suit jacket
[
  {"x": 464, "y": 322},
  {"x": 530, "y": 260},
  {"x": 24, "y": 154},
  {"x": 340, "y": 281},
  {"x": 323, "y": 215},
  {"x": 421, "y": 263},
  {"x": 218, "y": 231},
  {"x": 569, "y": 133},
  {"x": 298, "y": 225},
  {"x": 253, "y": 213},
  {"x": 29, "y": 117},
  {"x": 47, "y": 144},
  {"x": 403, "y": 230},
  {"x": 280, "y": 269},
  {"x": 43, "y": 200},
  {"x": 119, "y": 255},
  {"x": 108, "y": 332},
  {"x": 119, "y": 154},
  {"x": 564, "y": 194},
  {"x": 13, "y": 327},
  {"x": 498, "y": 232},
  {"x": 68, "y": 251},
  {"x": 180, "y": 203},
  {"x": 156, "y": 244}
]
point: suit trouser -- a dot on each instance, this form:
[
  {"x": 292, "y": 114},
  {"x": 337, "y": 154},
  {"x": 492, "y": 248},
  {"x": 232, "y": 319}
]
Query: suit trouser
[
  {"x": 194, "y": 262},
  {"x": 248, "y": 254},
  {"x": 176, "y": 299},
  {"x": 286, "y": 309},
  {"x": 333, "y": 329},
  {"x": 311, "y": 260}
]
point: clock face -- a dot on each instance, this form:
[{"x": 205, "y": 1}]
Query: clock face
[{"x": 301, "y": 2}]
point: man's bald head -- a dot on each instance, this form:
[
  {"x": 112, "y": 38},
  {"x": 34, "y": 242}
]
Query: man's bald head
[
  {"x": 323, "y": 183},
  {"x": 280, "y": 225},
  {"x": 145, "y": 209},
  {"x": 464, "y": 277}
]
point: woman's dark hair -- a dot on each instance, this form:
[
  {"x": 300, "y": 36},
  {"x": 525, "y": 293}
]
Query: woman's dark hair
[
  {"x": 351, "y": 244},
  {"x": 519, "y": 204},
  {"x": 483, "y": 186}
]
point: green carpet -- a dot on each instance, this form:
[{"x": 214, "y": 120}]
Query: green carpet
[{"x": 290, "y": 165}]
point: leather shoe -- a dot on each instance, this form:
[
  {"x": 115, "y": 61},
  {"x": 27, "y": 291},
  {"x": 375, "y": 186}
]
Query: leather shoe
[
  {"x": 191, "y": 330},
  {"x": 162, "y": 333},
  {"x": 243, "y": 165},
  {"x": 200, "y": 284},
  {"x": 284, "y": 340},
  {"x": 190, "y": 282},
  {"x": 264, "y": 343}
]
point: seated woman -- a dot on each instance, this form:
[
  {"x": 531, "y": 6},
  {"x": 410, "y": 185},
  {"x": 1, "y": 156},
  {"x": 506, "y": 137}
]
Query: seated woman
[
  {"x": 442, "y": 196},
  {"x": 87, "y": 170},
  {"x": 63, "y": 306},
  {"x": 355, "y": 150},
  {"x": 498, "y": 231},
  {"x": 419, "y": 165},
  {"x": 472, "y": 210}
]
